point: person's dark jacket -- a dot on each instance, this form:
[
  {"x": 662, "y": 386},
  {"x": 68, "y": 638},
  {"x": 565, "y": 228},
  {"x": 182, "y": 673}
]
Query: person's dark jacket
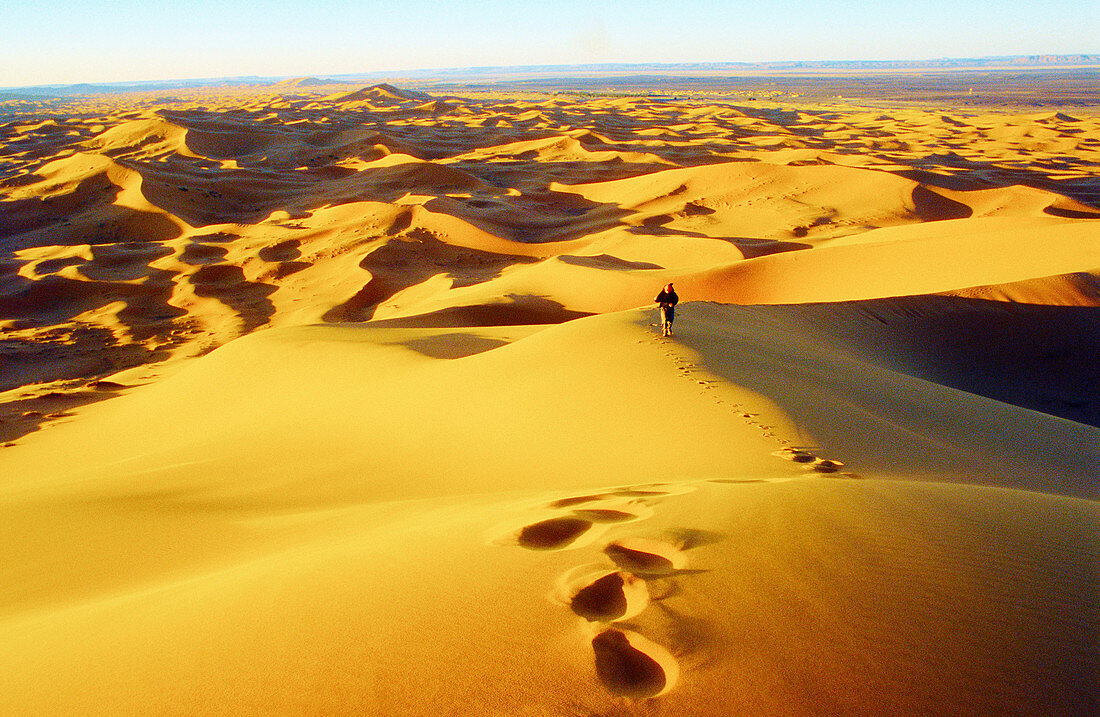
[{"x": 667, "y": 298}]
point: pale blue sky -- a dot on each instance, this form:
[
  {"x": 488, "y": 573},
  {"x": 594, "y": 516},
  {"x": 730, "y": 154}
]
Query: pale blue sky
[{"x": 69, "y": 41}]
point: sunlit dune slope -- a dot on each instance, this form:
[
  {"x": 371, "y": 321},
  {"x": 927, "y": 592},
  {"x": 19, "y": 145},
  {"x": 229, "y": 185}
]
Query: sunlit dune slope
[{"x": 340, "y": 517}]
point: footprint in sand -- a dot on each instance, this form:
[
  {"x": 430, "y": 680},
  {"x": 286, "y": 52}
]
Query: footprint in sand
[
  {"x": 631, "y": 666},
  {"x": 798, "y": 455},
  {"x": 606, "y": 508},
  {"x": 644, "y": 490},
  {"x": 811, "y": 462},
  {"x": 654, "y": 490},
  {"x": 601, "y": 595},
  {"x": 553, "y": 533},
  {"x": 596, "y": 510},
  {"x": 611, "y": 515},
  {"x": 638, "y": 493},
  {"x": 627, "y": 664},
  {"x": 577, "y": 500},
  {"x": 645, "y": 558}
]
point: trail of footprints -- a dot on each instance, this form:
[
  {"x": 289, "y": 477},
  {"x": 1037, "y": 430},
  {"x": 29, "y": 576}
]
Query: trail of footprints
[
  {"x": 605, "y": 595},
  {"x": 608, "y": 594},
  {"x": 804, "y": 455},
  {"x": 812, "y": 462}
]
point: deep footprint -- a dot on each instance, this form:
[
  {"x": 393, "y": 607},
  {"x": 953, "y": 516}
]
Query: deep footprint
[
  {"x": 552, "y": 534},
  {"x": 577, "y": 500},
  {"x": 630, "y": 493},
  {"x": 604, "y": 515},
  {"x": 614, "y": 596},
  {"x": 797, "y": 455},
  {"x": 632, "y": 666},
  {"x": 646, "y": 558}
]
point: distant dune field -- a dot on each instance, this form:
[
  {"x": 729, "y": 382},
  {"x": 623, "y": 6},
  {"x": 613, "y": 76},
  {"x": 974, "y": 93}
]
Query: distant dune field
[{"x": 331, "y": 400}]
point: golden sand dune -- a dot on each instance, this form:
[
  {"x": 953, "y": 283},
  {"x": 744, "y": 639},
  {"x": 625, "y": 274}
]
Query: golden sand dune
[{"x": 351, "y": 402}]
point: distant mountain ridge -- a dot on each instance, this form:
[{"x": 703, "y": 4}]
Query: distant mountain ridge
[{"x": 56, "y": 91}]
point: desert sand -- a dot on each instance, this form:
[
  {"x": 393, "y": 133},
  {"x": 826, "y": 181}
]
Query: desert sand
[{"x": 318, "y": 401}]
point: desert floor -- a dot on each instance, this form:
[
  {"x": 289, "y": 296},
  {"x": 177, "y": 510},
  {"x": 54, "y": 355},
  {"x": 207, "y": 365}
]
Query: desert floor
[{"x": 323, "y": 401}]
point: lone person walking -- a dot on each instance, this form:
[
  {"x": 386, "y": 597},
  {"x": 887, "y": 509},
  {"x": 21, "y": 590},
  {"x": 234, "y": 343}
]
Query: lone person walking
[{"x": 667, "y": 300}]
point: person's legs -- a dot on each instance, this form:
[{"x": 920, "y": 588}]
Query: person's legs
[
  {"x": 665, "y": 325},
  {"x": 670, "y": 315}
]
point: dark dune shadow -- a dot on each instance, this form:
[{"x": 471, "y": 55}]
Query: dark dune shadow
[
  {"x": 283, "y": 251},
  {"x": 218, "y": 136},
  {"x": 521, "y": 311},
  {"x": 933, "y": 207},
  {"x": 284, "y": 269},
  {"x": 227, "y": 284},
  {"x": 19, "y": 216},
  {"x": 123, "y": 262},
  {"x": 1033, "y": 356},
  {"x": 24, "y": 416},
  {"x": 55, "y": 299},
  {"x": 215, "y": 237},
  {"x": 1036, "y": 357},
  {"x": 607, "y": 262},
  {"x": 326, "y": 172},
  {"x": 244, "y": 195},
  {"x": 151, "y": 314},
  {"x": 451, "y": 346},
  {"x": 249, "y": 194},
  {"x": 655, "y": 226},
  {"x": 412, "y": 258},
  {"x": 68, "y": 355},
  {"x": 753, "y": 248},
  {"x": 27, "y": 151},
  {"x": 533, "y": 174},
  {"x": 951, "y": 171},
  {"x": 52, "y": 266},
  {"x": 82, "y": 217},
  {"x": 198, "y": 254},
  {"x": 536, "y": 216},
  {"x": 1056, "y": 211}
]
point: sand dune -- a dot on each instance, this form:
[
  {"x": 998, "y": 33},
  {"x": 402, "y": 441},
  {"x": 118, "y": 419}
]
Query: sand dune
[{"x": 349, "y": 401}]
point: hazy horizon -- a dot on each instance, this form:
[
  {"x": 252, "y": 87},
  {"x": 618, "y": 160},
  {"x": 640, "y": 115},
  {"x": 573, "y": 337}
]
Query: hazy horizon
[
  {"x": 76, "y": 41},
  {"x": 495, "y": 73}
]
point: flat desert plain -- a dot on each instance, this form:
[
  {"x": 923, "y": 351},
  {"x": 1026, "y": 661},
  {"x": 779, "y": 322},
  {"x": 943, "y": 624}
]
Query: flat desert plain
[{"x": 352, "y": 401}]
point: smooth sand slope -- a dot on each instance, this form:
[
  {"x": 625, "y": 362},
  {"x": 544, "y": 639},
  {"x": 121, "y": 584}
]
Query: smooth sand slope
[
  {"x": 327, "y": 519},
  {"x": 322, "y": 402}
]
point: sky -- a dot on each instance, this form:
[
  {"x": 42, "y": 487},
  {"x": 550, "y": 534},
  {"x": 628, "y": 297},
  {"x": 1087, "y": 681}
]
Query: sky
[{"x": 71, "y": 41}]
